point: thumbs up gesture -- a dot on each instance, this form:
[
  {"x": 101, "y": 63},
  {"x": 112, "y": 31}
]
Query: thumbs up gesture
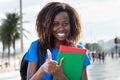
[
  {"x": 53, "y": 64},
  {"x": 57, "y": 69},
  {"x": 50, "y": 65}
]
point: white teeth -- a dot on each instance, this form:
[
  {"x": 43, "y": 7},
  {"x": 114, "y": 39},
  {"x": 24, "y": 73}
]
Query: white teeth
[{"x": 61, "y": 34}]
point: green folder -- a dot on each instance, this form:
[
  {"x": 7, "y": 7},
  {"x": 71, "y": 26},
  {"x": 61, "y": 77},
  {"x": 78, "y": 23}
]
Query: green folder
[{"x": 73, "y": 61}]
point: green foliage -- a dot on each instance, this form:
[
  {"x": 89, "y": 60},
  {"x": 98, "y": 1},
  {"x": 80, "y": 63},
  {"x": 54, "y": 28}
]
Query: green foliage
[
  {"x": 9, "y": 30},
  {"x": 93, "y": 47}
]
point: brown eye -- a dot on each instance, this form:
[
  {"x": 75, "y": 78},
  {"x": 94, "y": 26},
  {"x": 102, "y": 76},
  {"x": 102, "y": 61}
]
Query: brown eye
[
  {"x": 65, "y": 24},
  {"x": 61, "y": 24},
  {"x": 56, "y": 24}
]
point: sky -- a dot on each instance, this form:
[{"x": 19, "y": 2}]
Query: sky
[{"x": 100, "y": 19}]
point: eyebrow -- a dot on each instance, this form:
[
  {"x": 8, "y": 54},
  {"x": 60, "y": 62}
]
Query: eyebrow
[{"x": 58, "y": 21}]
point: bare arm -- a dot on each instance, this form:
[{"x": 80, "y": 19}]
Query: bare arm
[
  {"x": 84, "y": 74},
  {"x": 33, "y": 73}
]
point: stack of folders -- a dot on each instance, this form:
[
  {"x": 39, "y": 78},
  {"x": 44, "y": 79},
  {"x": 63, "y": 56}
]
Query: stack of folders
[{"x": 73, "y": 61}]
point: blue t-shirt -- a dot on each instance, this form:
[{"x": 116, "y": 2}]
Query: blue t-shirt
[{"x": 32, "y": 56}]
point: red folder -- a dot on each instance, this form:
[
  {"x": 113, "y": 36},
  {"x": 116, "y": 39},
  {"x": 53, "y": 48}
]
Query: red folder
[
  {"x": 73, "y": 61},
  {"x": 72, "y": 49}
]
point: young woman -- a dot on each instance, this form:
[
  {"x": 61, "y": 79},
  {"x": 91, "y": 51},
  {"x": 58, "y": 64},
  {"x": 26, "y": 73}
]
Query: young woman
[{"x": 57, "y": 24}]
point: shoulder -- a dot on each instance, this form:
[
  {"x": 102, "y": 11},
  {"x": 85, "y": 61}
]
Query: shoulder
[
  {"x": 80, "y": 46},
  {"x": 32, "y": 52},
  {"x": 86, "y": 60},
  {"x": 34, "y": 43}
]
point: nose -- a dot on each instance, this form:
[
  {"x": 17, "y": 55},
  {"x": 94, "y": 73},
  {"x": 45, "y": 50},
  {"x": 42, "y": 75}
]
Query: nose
[{"x": 61, "y": 27}]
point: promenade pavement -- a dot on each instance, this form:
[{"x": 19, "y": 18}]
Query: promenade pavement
[{"x": 109, "y": 70}]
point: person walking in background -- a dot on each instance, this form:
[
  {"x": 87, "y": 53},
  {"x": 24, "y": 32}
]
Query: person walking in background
[
  {"x": 103, "y": 56},
  {"x": 119, "y": 54},
  {"x": 99, "y": 56},
  {"x": 56, "y": 24},
  {"x": 93, "y": 56},
  {"x": 112, "y": 55}
]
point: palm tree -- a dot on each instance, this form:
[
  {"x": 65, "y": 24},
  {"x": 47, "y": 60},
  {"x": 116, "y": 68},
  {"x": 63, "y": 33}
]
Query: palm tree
[
  {"x": 2, "y": 39},
  {"x": 15, "y": 32},
  {"x": 6, "y": 36},
  {"x": 10, "y": 31}
]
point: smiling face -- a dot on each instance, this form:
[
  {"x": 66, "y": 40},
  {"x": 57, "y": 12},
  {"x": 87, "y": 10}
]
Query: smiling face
[{"x": 61, "y": 26}]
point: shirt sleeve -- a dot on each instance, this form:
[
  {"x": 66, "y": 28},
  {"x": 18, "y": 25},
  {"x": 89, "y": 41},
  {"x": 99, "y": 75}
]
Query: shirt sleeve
[
  {"x": 32, "y": 52},
  {"x": 86, "y": 60}
]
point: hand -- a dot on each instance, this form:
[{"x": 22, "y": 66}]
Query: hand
[
  {"x": 50, "y": 65},
  {"x": 59, "y": 72}
]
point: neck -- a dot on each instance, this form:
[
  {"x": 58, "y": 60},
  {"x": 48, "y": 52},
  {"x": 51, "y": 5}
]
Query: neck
[{"x": 57, "y": 44}]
